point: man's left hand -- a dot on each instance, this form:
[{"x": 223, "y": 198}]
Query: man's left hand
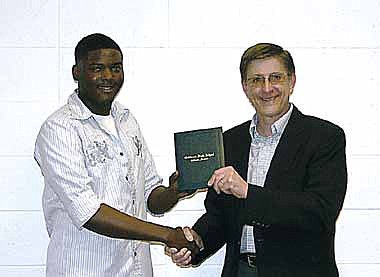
[{"x": 173, "y": 185}]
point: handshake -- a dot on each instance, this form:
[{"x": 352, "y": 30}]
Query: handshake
[{"x": 182, "y": 245}]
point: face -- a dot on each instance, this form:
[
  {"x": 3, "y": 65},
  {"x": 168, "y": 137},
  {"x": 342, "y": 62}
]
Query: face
[
  {"x": 268, "y": 87},
  {"x": 100, "y": 78}
]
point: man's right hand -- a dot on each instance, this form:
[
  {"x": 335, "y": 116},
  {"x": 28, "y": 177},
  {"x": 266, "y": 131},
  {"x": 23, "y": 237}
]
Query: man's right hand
[{"x": 183, "y": 256}]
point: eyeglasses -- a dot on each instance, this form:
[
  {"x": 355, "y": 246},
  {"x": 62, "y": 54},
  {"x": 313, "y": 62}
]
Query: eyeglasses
[{"x": 275, "y": 78}]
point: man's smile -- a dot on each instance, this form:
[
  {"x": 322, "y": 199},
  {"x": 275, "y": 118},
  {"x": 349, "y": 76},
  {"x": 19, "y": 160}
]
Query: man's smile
[
  {"x": 269, "y": 99},
  {"x": 106, "y": 88}
]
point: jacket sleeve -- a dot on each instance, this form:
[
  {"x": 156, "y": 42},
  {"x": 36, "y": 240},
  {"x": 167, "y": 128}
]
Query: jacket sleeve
[{"x": 211, "y": 226}]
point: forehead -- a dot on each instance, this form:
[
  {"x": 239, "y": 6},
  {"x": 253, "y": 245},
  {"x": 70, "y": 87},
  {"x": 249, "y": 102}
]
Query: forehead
[
  {"x": 265, "y": 66},
  {"x": 104, "y": 56}
]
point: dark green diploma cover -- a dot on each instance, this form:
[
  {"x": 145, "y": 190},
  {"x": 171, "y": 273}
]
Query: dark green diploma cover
[{"x": 198, "y": 153}]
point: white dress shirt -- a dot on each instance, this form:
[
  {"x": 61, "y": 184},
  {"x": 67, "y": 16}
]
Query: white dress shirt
[
  {"x": 84, "y": 165},
  {"x": 260, "y": 157}
]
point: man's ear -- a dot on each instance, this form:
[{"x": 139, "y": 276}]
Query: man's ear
[
  {"x": 292, "y": 82},
  {"x": 244, "y": 86},
  {"x": 75, "y": 71}
]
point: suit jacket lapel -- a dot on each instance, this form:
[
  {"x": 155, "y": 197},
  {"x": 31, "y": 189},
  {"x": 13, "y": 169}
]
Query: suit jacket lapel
[
  {"x": 246, "y": 146},
  {"x": 287, "y": 147},
  {"x": 238, "y": 153},
  {"x": 240, "y": 162}
]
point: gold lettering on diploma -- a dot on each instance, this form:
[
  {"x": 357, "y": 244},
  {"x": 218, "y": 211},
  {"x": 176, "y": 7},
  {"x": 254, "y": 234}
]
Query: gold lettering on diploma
[{"x": 200, "y": 157}]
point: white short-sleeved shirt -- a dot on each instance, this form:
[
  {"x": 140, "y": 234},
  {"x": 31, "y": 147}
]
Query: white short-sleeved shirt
[{"x": 84, "y": 165}]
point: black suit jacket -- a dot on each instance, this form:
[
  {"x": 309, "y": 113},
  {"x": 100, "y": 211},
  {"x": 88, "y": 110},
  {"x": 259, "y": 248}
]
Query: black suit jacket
[{"x": 294, "y": 214}]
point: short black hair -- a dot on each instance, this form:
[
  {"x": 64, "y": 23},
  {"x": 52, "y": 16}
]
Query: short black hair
[
  {"x": 262, "y": 51},
  {"x": 94, "y": 42}
]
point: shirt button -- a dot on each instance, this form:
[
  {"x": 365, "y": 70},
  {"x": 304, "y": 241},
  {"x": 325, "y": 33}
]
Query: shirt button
[
  {"x": 135, "y": 253},
  {"x": 121, "y": 153}
]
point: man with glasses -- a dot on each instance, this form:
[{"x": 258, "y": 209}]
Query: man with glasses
[{"x": 276, "y": 202}]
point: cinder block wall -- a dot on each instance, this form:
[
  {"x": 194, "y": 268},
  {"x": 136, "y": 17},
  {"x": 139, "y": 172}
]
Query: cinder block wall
[{"x": 181, "y": 63}]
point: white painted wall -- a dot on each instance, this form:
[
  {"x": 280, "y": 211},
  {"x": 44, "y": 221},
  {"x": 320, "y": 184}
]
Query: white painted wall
[{"x": 182, "y": 55}]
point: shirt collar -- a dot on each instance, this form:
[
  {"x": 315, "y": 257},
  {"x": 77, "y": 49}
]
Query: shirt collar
[
  {"x": 80, "y": 111},
  {"x": 277, "y": 127}
]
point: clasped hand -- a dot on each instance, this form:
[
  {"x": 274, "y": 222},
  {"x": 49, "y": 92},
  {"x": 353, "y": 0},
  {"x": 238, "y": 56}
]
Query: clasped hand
[
  {"x": 182, "y": 256},
  {"x": 178, "y": 240}
]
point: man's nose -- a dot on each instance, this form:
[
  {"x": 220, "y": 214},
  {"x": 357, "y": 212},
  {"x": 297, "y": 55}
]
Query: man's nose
[
  {"x": 107, "y": 73},
  {"x": 267, "y": 85}
]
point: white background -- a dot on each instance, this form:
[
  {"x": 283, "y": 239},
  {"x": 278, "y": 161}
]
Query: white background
[{"x": 181, "y": 67}]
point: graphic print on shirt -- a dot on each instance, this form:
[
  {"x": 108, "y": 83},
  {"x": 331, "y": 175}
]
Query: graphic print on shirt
[
  {"x": 138, "y": 145},
  {"x": 98, "y": 152}
]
